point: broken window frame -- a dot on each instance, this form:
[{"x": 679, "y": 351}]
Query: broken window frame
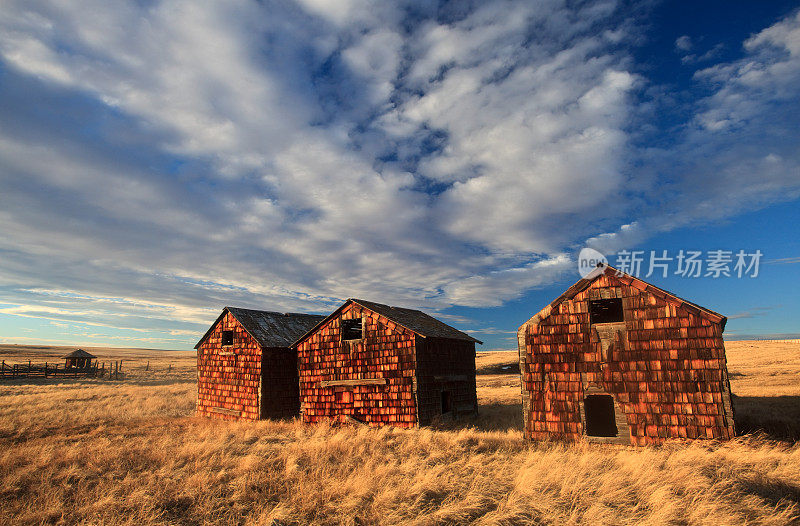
[
  {"x": 350, "y": 326},
  {"x": 607, "y": 310}
]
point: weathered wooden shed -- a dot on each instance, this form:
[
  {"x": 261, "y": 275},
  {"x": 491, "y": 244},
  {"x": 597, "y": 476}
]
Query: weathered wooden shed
[
  {"x": 245, "y": 367},
  {"x": 378, "y": 365},
  {"x": 79, "y": 359},
  {"x": 615, "y": 359}
]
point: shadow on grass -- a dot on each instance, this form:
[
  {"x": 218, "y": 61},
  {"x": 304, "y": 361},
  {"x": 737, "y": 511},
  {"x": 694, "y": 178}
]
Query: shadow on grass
[
  {"x": 499, "y": 368},
  {"x": 776, "y": 416},
  {"x": 776, "y": 492},
  {"x": 495, "y": 416}
]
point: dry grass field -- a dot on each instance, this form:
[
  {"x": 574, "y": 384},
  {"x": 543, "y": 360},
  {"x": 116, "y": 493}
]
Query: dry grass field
[{"x": 129, "y": 451}]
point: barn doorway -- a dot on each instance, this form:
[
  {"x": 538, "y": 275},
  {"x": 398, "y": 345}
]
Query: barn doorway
[
  {"x": 344, "y": 406},
  {"x": 446, "y": 405},
  {"x": 600, "y": 417}
]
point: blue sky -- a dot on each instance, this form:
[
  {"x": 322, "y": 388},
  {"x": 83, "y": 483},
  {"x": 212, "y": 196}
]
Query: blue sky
[{"x": 160, "y": 160}]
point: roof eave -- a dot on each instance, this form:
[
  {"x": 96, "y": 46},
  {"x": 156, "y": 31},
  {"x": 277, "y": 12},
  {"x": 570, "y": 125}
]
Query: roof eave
[
  {"x": 313, "y": 329},
  {"x": 357, "y": 302},
  {"x": 211, "y": 329},
  {"x": 469, "y": 338}
]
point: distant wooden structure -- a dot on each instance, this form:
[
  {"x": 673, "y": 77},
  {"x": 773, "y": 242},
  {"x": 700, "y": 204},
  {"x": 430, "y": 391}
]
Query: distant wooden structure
[
  {"x": 616, "y": 359},
  {"x": 78, "y": 364},
  {"x": 376, "y": 364},
  {"x": 245, "y": 368},
  {"x": 79, "y": 359}
]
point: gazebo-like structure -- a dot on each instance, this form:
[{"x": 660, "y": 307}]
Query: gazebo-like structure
[{"x": 79, "y": 359}]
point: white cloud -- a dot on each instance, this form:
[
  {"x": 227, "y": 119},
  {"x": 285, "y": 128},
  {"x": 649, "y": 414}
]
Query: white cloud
[
  {"x": 497, "y": 287},
  {"x": 608, "y": 243},
  {"x": 683, "y": 43},
  {"x": 740, "y": 149},
  {"x": 748, "y": 87},
  {"x": 530, "y": 131},
  {"x": 708, "y": 55},
  {"x": 287, "y": 156},
  {"x": 376, "y": 58}
]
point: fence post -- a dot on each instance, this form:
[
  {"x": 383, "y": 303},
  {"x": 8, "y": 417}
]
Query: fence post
[
  {"x": 147, "y": 367},
  {"x": 45, "y": 369},
  {"x": 29, "y": 368}
]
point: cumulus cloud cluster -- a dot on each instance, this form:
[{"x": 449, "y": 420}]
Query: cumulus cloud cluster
[{"x": 170, "y": 157}]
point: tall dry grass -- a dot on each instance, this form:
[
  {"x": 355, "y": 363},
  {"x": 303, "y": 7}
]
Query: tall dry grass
[{"x": 129, "y": 452}]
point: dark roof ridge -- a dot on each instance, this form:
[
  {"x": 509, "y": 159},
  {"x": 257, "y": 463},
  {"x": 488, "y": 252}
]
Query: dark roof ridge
[
  {"x": 435, "y": 328},
  {"x": 79, "y": 353},
  {"x": 268, "y": 328},
  {"x": 274, "y": 311}
]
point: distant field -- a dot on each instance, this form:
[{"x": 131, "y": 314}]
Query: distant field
[{"x": 92, "y": 451}]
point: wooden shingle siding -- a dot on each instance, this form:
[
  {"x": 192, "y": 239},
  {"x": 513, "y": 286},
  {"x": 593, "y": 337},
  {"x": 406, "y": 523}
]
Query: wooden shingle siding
[
  {"x": 386, "y": 351},
  {"x": 256, "y": 376},
  {"x": 664, "y": 366},
  {"x": 228, "y": 376},
  {"x": 395, "y": 374}
]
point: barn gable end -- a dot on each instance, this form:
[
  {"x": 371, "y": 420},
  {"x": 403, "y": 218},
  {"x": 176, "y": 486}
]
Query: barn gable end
[
  {"x": 653, "y": 370},
  {"x": 228, "y": 376},
  {"x": 387, "y": 376},
  {"x": 245, "y": 368}
]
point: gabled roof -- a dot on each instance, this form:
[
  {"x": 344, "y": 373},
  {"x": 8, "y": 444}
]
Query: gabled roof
[
  {"x": 80, "y": 353},
  {"x": 270, "y": 329},
  {"x": 414, "y": 320},
  {"x": 608, "y": 270}
]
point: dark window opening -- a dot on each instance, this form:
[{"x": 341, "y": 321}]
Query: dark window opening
[
  {"x": 227, "y": 337},
  {"x": 351, "y": 329},
  {"x": 446, "y": 408},
  {"x": 600, "y": 419},
  {"x": 606, "y": 311}
]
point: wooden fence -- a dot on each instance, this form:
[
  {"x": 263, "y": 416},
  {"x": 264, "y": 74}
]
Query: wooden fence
[{"x": 46, "y": 370}]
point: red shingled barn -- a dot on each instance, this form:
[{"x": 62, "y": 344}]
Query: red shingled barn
[
  {"x": 615, "y": 359},
  {"x": 245, "y": 367},
  {"x": 378, "y": 365}
]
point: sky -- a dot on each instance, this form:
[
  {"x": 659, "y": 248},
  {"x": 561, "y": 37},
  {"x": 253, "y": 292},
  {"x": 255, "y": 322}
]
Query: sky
[{"x": 160, "y": 160}]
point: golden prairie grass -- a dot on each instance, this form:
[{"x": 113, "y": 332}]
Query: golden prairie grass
[{"x": 130, "y": 452}]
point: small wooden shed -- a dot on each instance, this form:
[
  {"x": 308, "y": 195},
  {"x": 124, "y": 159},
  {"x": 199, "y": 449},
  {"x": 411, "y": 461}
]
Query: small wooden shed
[
  {"x": 616, "y": 359},
  {"x": 79, "y": 359},
  {"x": 245, "y": 367},
  {"x": 377, "y": 364}
]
